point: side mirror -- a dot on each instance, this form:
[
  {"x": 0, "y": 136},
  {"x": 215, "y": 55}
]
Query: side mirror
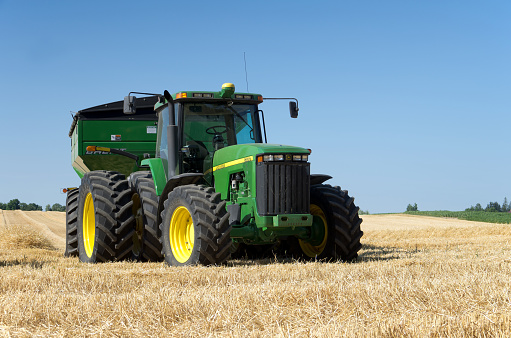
[
  {"x": 293, "y": 109},
  {"x": 130, "y": 106}
]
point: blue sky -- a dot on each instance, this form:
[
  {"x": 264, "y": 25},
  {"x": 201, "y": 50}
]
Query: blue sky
[{"x": 400, "y": 101}]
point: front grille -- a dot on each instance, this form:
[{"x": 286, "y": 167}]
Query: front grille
[{"x": 282, "y": 188}]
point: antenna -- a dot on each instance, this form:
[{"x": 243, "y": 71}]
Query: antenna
[{"x": 246, "y": 74}]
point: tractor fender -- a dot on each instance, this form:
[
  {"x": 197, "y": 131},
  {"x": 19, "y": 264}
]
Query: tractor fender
[
  {"x": 174, "y": 182},
  {"x": 319, "y": 179}
]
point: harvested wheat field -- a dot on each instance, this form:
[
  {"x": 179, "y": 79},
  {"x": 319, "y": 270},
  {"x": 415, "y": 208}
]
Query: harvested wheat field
[{"x": 416, "y": 276}]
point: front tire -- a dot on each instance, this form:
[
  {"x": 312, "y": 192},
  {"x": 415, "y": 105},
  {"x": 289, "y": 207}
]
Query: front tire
[
  {"x": 342, "y": 233},
  {"x": 195, "y": 227},
  {"x": 105, "y": 221}
]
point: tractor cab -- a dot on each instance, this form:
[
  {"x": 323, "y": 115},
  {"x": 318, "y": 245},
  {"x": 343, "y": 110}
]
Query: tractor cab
[
  {"x": 208, "y": 127},
  {"x": 207, "y": 122}
]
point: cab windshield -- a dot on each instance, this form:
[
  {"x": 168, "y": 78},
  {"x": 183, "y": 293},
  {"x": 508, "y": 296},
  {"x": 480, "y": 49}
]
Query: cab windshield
[{"x": 212, "y": 126}]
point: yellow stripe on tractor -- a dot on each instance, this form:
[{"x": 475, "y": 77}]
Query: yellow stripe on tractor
[{"x": 230, "y": 164}]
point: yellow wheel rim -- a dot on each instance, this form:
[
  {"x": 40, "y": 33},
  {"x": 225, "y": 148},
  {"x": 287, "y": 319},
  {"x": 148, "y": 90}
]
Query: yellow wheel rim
[
  {"x": 89, "y": 225},
  {"x": 181, "y": 234},
  {"x": 315, "y": 250}
]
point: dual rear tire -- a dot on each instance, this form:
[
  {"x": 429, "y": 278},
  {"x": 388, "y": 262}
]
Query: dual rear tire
[
  {"x": 113, "y": 219},
  {"x": 104, "y": 218},
  {"x": 147, "y": 246}
]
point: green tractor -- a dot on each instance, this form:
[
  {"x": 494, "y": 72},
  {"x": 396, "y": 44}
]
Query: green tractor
[{"x": 196, "y": 183}]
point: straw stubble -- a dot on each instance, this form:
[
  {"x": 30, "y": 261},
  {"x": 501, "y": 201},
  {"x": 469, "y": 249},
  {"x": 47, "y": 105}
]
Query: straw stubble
[{"x": 417, "y": 276}]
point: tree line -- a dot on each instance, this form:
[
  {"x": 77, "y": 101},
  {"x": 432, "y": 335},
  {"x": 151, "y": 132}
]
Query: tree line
[
  {"x": 15, "y": 204},
  {"x": 492, "y": 207}
]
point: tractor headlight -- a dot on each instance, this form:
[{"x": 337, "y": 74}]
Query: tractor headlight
[
  {"x": 282, "y": 158},
  {"x": 300, "y": 158},
  {"x": 273, "y": 157}
]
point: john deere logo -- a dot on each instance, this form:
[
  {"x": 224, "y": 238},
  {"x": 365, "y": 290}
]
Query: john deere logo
[{"x": 288, "y": 157}]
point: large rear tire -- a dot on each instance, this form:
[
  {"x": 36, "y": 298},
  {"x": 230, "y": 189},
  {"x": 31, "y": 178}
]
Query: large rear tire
[
  {"x": 71, "y": 222},
  {"x": 105, "y": 221},
  {"x": 195, "y": 227},
  {"x": 147, "y": 245},
  {"x": 342, "y": 233}
]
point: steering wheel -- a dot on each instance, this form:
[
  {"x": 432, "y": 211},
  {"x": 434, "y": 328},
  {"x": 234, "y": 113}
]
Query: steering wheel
[{"x": 213, "y": 130}]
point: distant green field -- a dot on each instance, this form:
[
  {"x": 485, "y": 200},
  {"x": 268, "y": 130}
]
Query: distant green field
[{"x": 479, "y": 216}]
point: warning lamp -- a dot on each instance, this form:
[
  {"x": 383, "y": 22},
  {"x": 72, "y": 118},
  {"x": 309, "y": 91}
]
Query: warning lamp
[{"x": 66, "y": 190}]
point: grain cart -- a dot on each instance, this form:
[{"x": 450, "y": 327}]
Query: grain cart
[{"x": 211, "y": 185}]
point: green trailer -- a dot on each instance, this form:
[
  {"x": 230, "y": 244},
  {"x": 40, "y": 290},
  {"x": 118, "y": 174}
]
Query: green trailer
[
  {"x": 198, "y": 182},
  {"x": 107, "y": 126}
]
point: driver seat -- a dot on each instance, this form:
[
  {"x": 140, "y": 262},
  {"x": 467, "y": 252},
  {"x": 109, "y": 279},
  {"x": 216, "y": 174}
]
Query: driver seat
[{"x": 203, "y": 151}]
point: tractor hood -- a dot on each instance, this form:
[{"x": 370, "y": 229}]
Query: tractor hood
[{"x": 248, "y": 152}]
